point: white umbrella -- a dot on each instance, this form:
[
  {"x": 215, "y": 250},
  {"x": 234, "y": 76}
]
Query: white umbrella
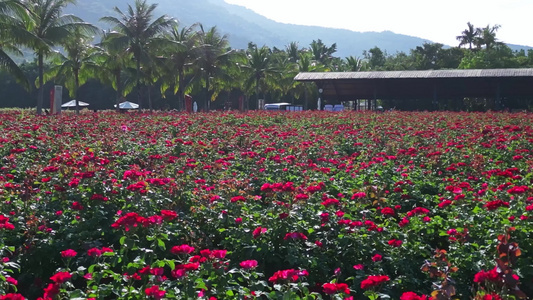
[
  {"x": 72, "y": 103},
  {"x": 128, "y": 105}
]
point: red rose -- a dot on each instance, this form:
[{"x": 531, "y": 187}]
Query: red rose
[
  {"x": 182, "y": 249},
  {"x": 333, "y": 288},
  {"x": 248, "y": 264},
  {"x": 258, "y": 231},
  {"x": 12, "y": 296},
  {"x": 412, "y": 296},
  {"x": 374, "y": 280},
  {"x": 61, "y": 277},
  {"x": 68, "y": 253},
  {"x": 154, "y": 291}
]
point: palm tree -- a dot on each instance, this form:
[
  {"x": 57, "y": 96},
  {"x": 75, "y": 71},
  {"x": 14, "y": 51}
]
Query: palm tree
[
  {"x": 259, "y": 68},
  {"x": 137, "y": 30},
  {"x": 230, "y": 78},
  {"x": 47, "y": 23},
  {"x": 307, "y": 64},
  {"x": 321, "y": 52},
  {"x": 152, "y": 70},
  {"x": 468, "y": 36},
  {"x": 13, "y": 33},
  {"x": 113, "y": 60},
  {"x": 487, "y": 37},
  {"x": 282, "y": 83},
  {"x": 179, "y": 58},
  {"x": 75, "y": 67},
  {"x": 354, "y": 64},
  {"x": 212, "y": 54},
  {"x": 292, "y": 51}
]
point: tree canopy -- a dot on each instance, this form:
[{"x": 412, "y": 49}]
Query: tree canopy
[{"x": 145, "y": 51}]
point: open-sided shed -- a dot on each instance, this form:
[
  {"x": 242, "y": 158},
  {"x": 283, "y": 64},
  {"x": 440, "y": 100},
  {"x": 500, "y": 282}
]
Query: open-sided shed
[{"x": 429, "y": 85}]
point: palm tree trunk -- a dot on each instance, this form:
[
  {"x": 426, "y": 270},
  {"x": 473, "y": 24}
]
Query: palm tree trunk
[
  {"x": 181, "y": 91},
  {"x": 40, "y": 95},
  {"x": 119, "y": 89},
  {"x": 228, "y": 101},
  {"x": 257, "y": 93},
  {"x": 181, "y": 101},
  {"x": 139, "y": 84},
  {"x": 208, "y": 99},
  {"x": 76, "y": 86},
  {"x": 150, "y": 97}
]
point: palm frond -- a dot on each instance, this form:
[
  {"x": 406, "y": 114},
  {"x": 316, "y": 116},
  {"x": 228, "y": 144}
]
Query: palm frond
[{"x": 10, "y": 66}]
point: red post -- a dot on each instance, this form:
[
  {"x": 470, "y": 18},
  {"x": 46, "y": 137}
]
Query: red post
[
  {"x": 188, "y": 103},
  {"x": 52, "y": 106}
]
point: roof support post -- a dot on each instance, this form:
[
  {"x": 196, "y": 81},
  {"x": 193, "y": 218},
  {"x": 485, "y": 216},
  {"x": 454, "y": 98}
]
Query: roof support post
[
  {"x": 497, "y": 99},
  {"x": 435, "y": 98},
  {"x": 375, "y": 98}
]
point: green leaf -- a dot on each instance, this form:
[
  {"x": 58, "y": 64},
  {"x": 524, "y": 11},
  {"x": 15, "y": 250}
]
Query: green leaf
[
  {"x": 171, "y": 264},
  {"x": 161, "y": 244},
  {"x": 200, "y": 284},
  {"x": 290, "y": 296}
]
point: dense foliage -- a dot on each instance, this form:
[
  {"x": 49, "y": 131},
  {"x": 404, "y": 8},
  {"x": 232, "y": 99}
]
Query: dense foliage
[
  {"x": 162, "y": 60},
  {"x": 311, "y": 205}
]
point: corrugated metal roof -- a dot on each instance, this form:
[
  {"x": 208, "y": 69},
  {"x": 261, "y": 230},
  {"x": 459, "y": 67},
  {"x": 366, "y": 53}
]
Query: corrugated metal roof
[{"x": 476, "y": 73}]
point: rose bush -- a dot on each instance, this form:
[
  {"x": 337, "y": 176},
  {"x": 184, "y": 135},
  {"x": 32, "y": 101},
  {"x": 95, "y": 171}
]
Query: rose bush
[{"x": 306, "y": 205}]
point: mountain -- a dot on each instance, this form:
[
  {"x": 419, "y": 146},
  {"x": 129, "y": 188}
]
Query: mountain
[{"x": 242, "y": 26}]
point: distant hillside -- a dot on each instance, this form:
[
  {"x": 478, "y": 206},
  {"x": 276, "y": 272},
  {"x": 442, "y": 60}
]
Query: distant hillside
[{"x": 243, "y": 26}]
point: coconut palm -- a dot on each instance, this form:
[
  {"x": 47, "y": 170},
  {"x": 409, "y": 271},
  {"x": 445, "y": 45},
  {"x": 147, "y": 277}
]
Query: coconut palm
[
  {"x": 13, "y": 34},
  {"x": 292, "y": 51},
  {"x": 75, "y": 66},
  {"x": 179, "y": 57},
  {"x": 230, "y": 78},
  {"x": 487, "y": 37},
  {"x": 47, "y": 23},
  {"x": 321, "y": 52},
  {"x": 137, "y": 29},
  {"x": 152, "y": 70},
  {"x": 307, "y": 64},
  {"x": 354, "y": 64},
  {"x": 468, "y": 36},
  {"x": 212, "y": 55},
  {"x": 260, "y": 69},
  {"x": 282, "y": 83},
  {"x": 113, "y": 62}
]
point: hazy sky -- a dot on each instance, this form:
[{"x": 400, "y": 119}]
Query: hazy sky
[{"x": 438, "y": 21}]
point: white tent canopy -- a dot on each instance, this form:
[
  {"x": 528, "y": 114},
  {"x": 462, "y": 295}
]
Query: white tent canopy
[
  {"x": 72, "y": 103},
  {"x": 128, "y": 105}
]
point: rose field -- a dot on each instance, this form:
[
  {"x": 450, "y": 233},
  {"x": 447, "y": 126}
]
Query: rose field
[{"x": 259, "y": 205}]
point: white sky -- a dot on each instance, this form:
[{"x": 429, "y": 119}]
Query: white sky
[{"x": 438, "y": 21}]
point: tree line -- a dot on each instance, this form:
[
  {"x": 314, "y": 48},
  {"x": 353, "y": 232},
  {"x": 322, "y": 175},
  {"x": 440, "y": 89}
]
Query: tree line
[{"x": 156, "y": 61}]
